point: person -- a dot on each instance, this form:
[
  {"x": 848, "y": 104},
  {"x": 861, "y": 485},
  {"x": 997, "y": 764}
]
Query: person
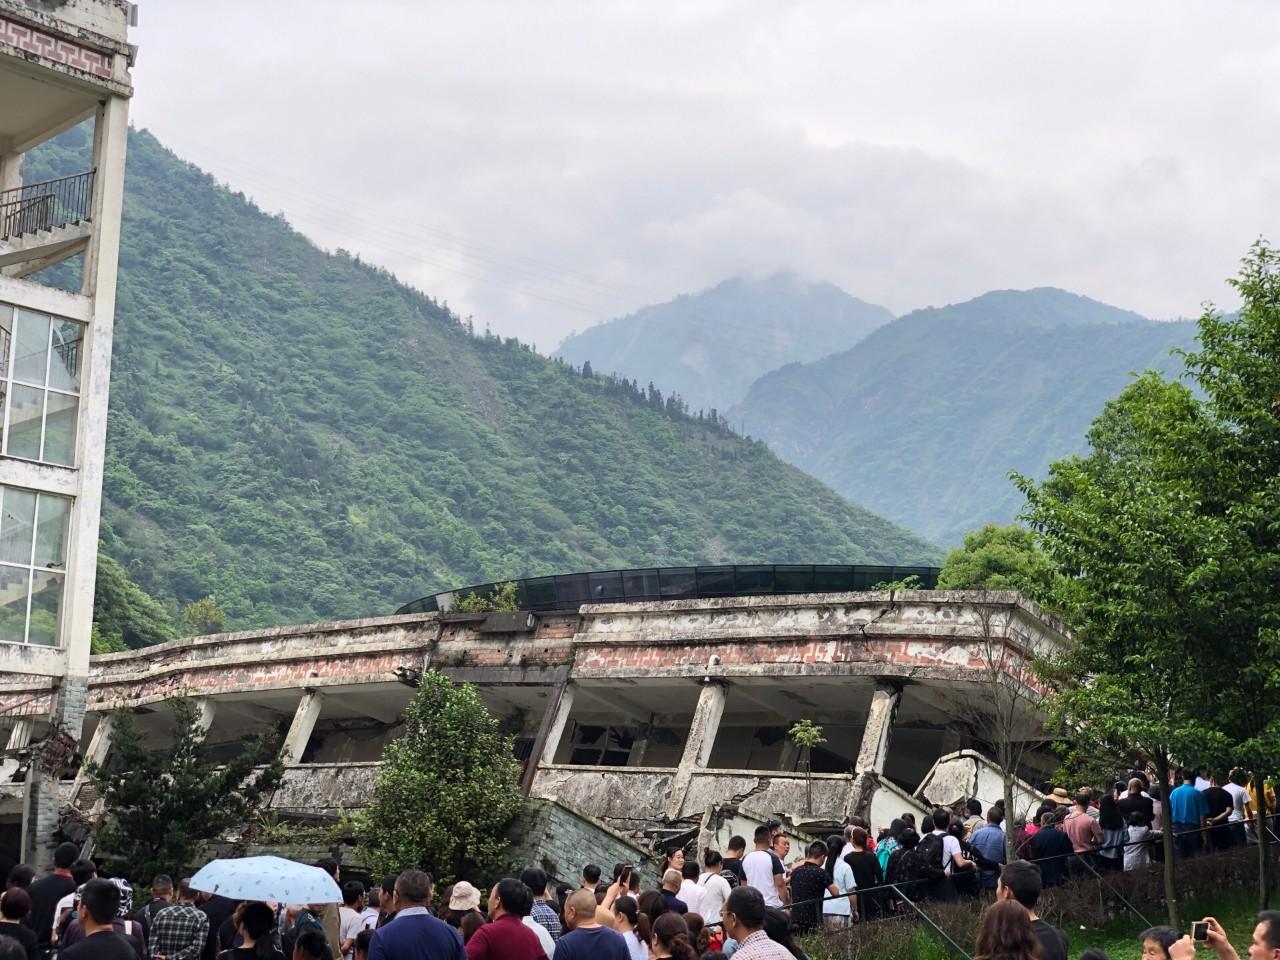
[
  {"x": 1138, "y": 839},
  {"x": 1241, "y": 811},
  {"x": 973, "y": 816},
  {"x": 365, "y": 937},
  {"x": 130, "y": 929},
  {"x": 350, "y": 917},
  {"x": 902, "y": 865},
  {"x": 180, "y": 930},
  {"x": 1051, "y": 849},
  {"x": 15, "y": 907},
  {"x": 634, "y": 927},
  {"x": 1022, "y": 834},
  {"x": 950, "y": 856},
  {"x": 670, "y": 938},
  {"x": 329, "y": 912},
  {"x": 1006, "y": 934},
  {"x": 586, "y": 939},
  {"x": 372, "y": 910},
  {"x": 1156, "y": 941},
  {"x": 1219, "y": 803},
  {"x": 1021, "y": 881},
  {"x": 1115, "y": 833},
  {"x": 99, "y": 907},
  {"x": 839, "y": 911},
  {"x": 690, "y": 892},
  {"x": 809, "y": 884},
  {"x": 1085, "y": 834},
  {"x": 218, "y": 909},
  {"x": 713, "y": 886},
  {"x": 542, "y": 912},
  {"x": 779, "y": 928},
  {"x": 780, "y": 847},
  {"x": 311, "y": 944},
  {"x": 1188, "y": 813},
  {"x": 463, "y": 901},
  {"x": 386, "y": 897},
  {"x": 764, "y": 871},
  {"x": 47, "y": 892},
  {"x": 887, "y": 842},
  {"x": 734, "y": 853},
  {"x": 866, "y": 875},
  {"x": 1265, "y": 944},
  {"x": 1136, "y": 800},
  {"x": 671, "y": 881},
  {"x": 506, "y": 936},
  {"x": 161, "y": 896},
  {"x": 744, "y": 915},
  {"x": 82, "y": 871},
  {"x": 674, "y": 860},
  {"x": 415, "y": 934},
  {"x": 20, "y": 875},
  {"x": 988, "y": 841},
  {"x": 257, "y": 920}
]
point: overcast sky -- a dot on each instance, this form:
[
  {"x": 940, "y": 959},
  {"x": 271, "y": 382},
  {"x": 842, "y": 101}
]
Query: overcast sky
[{"x": 546, "y": 165}]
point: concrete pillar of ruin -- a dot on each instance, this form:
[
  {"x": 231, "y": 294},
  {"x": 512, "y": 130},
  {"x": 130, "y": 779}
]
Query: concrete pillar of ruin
[
  {"x": 300, "y": 730},
  {"x": 874, "y": 750},
  {"x": 698, "y": 745},
  {"x": 790, "y": 755},
  {"x": 559, "y": 714}
]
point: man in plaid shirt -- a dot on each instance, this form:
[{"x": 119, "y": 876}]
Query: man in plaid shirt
[
  {"x": 179, "y": 931},
  {"x": 535, "y": 878},
  {"x": 744, "y": 922}
]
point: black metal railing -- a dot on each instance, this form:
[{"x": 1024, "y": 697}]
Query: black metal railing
[
  {"x": 571, "y": 590},
  {"x": 46, "y": 205}
]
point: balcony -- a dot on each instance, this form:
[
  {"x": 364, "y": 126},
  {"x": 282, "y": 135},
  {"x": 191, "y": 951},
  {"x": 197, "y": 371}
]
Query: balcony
[{"x": 42, "y": 223}]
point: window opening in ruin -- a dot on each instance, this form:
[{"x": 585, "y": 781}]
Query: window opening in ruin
[
  {"x": 599, "y": 746},
  {"x": 33, "y": 545},
  {"x": 40, "y": 362}
]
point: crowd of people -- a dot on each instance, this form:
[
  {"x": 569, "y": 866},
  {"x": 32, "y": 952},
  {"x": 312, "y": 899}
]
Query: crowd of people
[{"x": 750, "y": 903}]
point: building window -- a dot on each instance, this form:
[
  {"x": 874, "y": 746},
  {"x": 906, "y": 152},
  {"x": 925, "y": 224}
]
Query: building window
[
  {"x": 40, "y": 363},
  {"x": 33, "y": 552},
  {"x": 601, "y": 746}
]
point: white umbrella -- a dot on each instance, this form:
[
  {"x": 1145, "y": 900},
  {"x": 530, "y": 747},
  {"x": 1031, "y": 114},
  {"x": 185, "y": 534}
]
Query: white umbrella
[{"x": 267, "y": 878}]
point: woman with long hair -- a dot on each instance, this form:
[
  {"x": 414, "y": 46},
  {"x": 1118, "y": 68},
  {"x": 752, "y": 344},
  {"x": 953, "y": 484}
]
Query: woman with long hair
[
  {"x": 633, "y": 925},
  {"x": 652, "y": 904},
  {"x": 671, "y": 939},
  {"x": 839, "y": 912},
  {"x": 888, "y": 842},
  {"x": 1114, "y": 834},
  {"x": 255, "y": 923},
  {"x": 778, "y": 928},
  {"x": 1006, "y": 933},
  {"x": 866, "y": 874},
  {"x": 674, "y": 860}
]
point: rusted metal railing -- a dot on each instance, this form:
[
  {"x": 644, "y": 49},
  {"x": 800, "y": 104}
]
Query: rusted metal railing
[{"x": 46, "y": 205}]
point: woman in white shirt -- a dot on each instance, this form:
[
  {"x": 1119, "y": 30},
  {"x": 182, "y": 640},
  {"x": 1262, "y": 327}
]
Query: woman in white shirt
[
  {"x": 714, "y": 888},
  {"x": 633, "y": 925},
  {"x": 839, "y": 912}
]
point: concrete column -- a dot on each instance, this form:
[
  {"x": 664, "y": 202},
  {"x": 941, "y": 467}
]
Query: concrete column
[
  {"x": 304, "y": 722},
  {"x": 42, "y": 804},
  {"x": 206, "y": 707},
  {"x": 790, "y": 755},
  {"x": 698, "y": 745},
  {"x": 96, "y": 752},
  {"x": 10, "y": 166},
  {"x": 559, "y": 714},
  {"x": 874, "y": 751}
]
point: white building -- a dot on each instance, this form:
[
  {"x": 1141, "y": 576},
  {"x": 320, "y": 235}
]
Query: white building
[{"x": 62, "y": 62}]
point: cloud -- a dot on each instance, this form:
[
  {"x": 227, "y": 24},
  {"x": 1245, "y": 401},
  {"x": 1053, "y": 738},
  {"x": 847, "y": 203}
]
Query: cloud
[{"x": 546, "y": 166}]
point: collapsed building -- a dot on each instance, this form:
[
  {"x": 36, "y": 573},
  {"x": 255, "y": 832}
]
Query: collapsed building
[{"x": 652, "y": 712}]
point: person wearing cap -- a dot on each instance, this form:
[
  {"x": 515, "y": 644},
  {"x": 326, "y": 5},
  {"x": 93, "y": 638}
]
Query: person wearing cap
[{"x": 464, "y": 899}]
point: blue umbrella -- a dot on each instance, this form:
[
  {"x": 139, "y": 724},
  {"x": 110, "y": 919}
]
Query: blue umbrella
[{"x": 267, "y": 878}]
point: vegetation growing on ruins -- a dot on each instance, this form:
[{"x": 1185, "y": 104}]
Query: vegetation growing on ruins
[
  {"x": 303, "y": 437},
  {"x": 162, "y": 806},
  {"x": 446, "y": 790},
  {"x": 1001, "y": 558}
]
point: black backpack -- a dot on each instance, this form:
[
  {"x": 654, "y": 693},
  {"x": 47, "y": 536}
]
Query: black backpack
[{"x": 926, "y": 858}]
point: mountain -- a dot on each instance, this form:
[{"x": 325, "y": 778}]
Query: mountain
[
  {"x": 709, "y": 347},
  {"x": 926, "y": 417},
  {"x": 303, "y": 437}
]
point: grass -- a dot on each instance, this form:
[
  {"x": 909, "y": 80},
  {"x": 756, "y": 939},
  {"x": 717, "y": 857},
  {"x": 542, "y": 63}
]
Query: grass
[{"x": 1236, "y": 912}]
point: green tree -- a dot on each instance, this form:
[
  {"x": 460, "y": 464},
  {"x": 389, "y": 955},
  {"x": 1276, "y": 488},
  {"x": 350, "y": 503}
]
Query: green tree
[
  {"x": 1001, "y": 558},
  {"x": 447, "y": 789},
  {"x": 806, "y": 735},
  {"x": 1166, "y": 531},
  {"x": 202, "y": 617},
  {"x": 162, "y": 806}
]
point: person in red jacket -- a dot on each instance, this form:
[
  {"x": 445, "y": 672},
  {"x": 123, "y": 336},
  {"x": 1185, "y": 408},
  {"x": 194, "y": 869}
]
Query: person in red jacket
[{"x": 506, "y": 937}]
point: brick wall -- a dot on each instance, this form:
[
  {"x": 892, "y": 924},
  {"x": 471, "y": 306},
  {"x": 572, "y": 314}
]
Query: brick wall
[{"x": 554, "y": 836}]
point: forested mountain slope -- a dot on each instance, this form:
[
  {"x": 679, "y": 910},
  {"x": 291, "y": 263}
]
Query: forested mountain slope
[
  {"x": 927, "y": 416},
  {"x": 710, "y": 346},
  {"x": 303, "y": 437}
]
